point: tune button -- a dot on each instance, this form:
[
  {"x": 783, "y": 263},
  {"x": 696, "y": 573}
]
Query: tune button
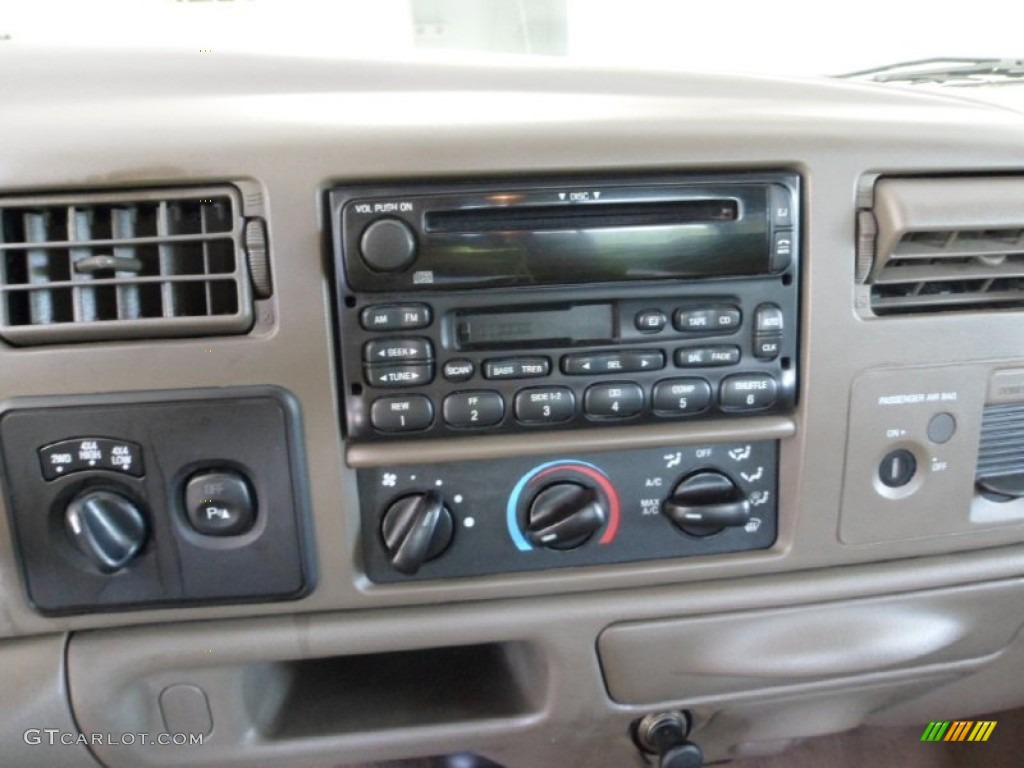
[
  {"x": 401, "y": 414},
  {"x": 748, "y": 392},
  {"x": 544, "y": 405},
  {"x": 684, "y": 395},
  {"x": 480, "y": 408},
  {"x": 615, "y": 399},
  {"x": 408, "y": 375}
]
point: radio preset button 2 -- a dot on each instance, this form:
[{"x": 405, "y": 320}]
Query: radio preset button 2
[
  {"x": 458, "y": 370},
  {"x": 618, "y": 399},
  {"x": 411, "y": 375},
  {"x": 650, "y": 321},
  {"x": 707, "y": 357},
  {"x": 398, "y": 350},
  {"x": 388, "y": 245},
  {"x": 401, "y": 414},
  {"x": 684, "y": 395},
  {"x": 395, "y": 317},
  {"x": 748, "y": 392},
  {"x": 517, "y": 368},
  {"x": 482, "y": 408},
  {"x": 545, "y": 405}
]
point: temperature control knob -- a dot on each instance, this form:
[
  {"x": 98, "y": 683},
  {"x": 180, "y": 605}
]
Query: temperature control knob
[
  {"x": 706, "y": 502},
  {"x": 106, "y": 527},
  {"x": 564, "y": 515},
  {"x": 416, "y": 528}
]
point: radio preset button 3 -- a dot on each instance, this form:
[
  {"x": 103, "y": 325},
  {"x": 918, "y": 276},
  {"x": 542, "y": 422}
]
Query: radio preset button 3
[
  {"x": 401, "y": 414},
  {"x": 650, "y": 321},
  {"x": 684, "y": 395},
  {"x": 748, "y": 392},
  {"x": 707, "y": 357},
  {"x": 398, "y": 350},
  {"x": 517, "y": 368},
  {"x": 482, "y": 408},
  {"x": 545, "y": 405},
  {"x": 395, "y": 317},
  {"x": 411, "y": 375},
  {"x": 619, "y": 399},
  {"x": 458, "y": 370}
]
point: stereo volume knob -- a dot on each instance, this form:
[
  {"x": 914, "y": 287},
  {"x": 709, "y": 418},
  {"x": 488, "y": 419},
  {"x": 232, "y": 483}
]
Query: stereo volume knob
[
  {"x": 565, "y": 515},
  {"x": 106, "y": 527},
  {"x": 706, "y": 502},
  {"x": 388, "y": 245},
  {"x": 416, "y": 528}
]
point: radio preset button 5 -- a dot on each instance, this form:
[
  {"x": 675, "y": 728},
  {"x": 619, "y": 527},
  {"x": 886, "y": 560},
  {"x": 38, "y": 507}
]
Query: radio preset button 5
[
  {"x": 395, "y": 317},
  {"x": 458, "y": 370},
  {"x": 401, "y": 414},
  {"x": 748, "y": 392},
  {"x": 650, "y": 321},
  {"x": 517, "y": 368},
  {"x": 685, "y": 395},
  {"x": 707, "y": 357},
  {"x": 618, "y": 399},
  {"x": 388, "y": 245},
  {"x": 398, "y": 350},
  {"x": 411, "y": 375},
  {"x": 613, "y": 362},
  {"x": 482, "y": 408},
  {"x": 708, "y": 320},
  {"x": 545, "y": 405}
]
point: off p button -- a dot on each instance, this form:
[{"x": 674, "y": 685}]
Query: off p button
[{"x": 219, "y": 503}]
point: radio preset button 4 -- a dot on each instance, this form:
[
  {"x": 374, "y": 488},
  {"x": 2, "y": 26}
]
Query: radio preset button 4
[
  {"x": 684, "y": 395},
  {"x": 748, "y": 392},
  {"x": 618, "y": 399},
  {"x": 517, "y": 368},
  {"x": 545, "y": 405},
  {"x": 650, "y": 321},
  {"x": 707, "y": 357},
  {"x": 482, "y": 408},
  {"x": 401, "y": 414},
  {"x": 395, "y": 317},
  {"x": 458, "y": 370},
  {"x": 398, "y": 350},
  {"x": 411, "y": 375}
]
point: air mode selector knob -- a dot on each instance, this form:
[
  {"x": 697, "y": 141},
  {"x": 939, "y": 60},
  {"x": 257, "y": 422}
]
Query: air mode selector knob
[
  {"x": 564, "y": 515},
  {"x": 706, "y": 502},
  {"x": 107, "y": 527},
  {"x": 416, "y": 528},
  {"x": 388, "y": 245}
]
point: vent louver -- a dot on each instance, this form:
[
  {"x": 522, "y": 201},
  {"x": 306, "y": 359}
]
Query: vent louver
[
  {"x": 943, "y": 245},
  {"x": 141, "y": 264}
]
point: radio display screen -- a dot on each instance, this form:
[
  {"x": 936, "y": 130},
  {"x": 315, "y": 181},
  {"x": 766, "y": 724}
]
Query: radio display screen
[{"x": 559, "y": 325}]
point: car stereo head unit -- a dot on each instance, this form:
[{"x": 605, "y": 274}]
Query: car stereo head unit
[{"x": 482, "y": 308}]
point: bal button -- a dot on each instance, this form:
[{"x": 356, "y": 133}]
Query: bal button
[{"x": 219, "y": 503}]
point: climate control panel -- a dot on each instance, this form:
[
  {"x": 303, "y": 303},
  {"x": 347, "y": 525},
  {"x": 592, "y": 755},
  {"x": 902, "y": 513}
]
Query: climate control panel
[{"x": 450, "y": 520}]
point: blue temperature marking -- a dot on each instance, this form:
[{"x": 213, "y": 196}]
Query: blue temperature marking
[{"x": 513, "y": 500}]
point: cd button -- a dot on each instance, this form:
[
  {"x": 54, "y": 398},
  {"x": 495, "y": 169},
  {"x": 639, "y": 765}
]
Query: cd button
[
  {"x": 401, "y": 414},
  {"x": 458, "y": 370},
  {"x": 411, "y": 375},
  {"x": 619, "y": 399},
  {"x": 681, "y": 395},
  {"x": 545, "y": 404},
  {"x": 482, "y": 408},
  {"x": 517, "y": 368},
  {"x": 748, "y": 392},
  {"x": 398, "y": 350},
  {"x": 650, "y": 321},
  {"x": 700, "y": 357},
  {"x": 395, "y": 317},
  {"x": 726, "y": 319}
]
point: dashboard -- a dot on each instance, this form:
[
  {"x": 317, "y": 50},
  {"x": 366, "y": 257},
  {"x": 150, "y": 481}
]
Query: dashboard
[{"x": 363, "y": 411}]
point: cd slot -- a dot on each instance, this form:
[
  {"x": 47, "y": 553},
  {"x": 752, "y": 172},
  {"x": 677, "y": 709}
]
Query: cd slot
[{"x": 537, "y": 218}]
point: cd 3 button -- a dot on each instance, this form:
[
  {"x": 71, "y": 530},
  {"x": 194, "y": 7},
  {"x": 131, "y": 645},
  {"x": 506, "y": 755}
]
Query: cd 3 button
[
  {"x": 545, "y": 405},
  {"x": 482, "y": 408},
  {"x": 619, "y": 399}
]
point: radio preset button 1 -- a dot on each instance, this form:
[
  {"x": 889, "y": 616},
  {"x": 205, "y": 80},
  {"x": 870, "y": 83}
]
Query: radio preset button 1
[
  {"x": 545, "y": 405},
  {"x": 395, "y": 317},
  {"x": 398, "y": 350},
  {"x": 650, "y": 321},
  {"x": 401, "y": 414},
  {"x": 517, "y": 368},
  {"x": 458, "y": 370},
  {"x": 388, "y": 245},
  {"x": 685, "y": 395},
  {"x": 707, "y": 357},
  {"x": 411, "y": 375},
  {"x": 482, "y": 408},
  {"x": 748, "y": 392},
  {"x": 619, "y": 399},
  {"x": 613, "y": 362}
]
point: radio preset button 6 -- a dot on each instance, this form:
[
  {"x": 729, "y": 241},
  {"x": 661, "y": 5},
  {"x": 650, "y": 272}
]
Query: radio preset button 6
[
  {"x": 619, "y": 399},
  {"x": 545, "y": 405},
  {"x": 395, "y": 317},
  {"x": 748, "y": 392},
  {"x": 458, "y": 370},
  {"x": 685, "y": 395},
  {"x": 650, "y": 321},
  {"x": 707, "y": 320},
  {"x": 401, "y": 414},
  {"x": 411, "y": 375},
  {"x": 707, "y": 357},
  {"x": 613, "y": 362},
  {"x": 482, "y": 408},
  {"x": 517, "y": 368},
  {"x": 388, "y": 245},
  {"x": 398, "y": 350}
]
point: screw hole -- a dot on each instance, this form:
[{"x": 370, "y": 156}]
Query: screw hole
[
  {"x": 785, "y": 363},
  {"x": 357, "y": 390},
  {"x": 350, "y": 301},
  {"x": 787, "y": 279}
]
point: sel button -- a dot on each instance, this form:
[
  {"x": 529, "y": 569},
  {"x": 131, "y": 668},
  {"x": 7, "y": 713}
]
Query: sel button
[
  {"x": 618, "y": 399},
  {"x": 401, "y": 414}
]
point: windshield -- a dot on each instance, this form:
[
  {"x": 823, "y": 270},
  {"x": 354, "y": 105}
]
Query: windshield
[{"x": 797, "y": 37}]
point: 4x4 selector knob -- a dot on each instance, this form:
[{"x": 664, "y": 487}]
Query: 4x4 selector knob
[
  {"x": 706, "y": 502},
  {"x": 416, "y": 528},
  {"x": 388, "y": 245},
  {"x": 564, "y": 515},
  {"x": 107, "y": 527}
]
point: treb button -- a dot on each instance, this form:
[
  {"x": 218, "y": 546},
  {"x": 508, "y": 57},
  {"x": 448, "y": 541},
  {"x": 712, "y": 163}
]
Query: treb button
[{"x": 517, "y": 368}]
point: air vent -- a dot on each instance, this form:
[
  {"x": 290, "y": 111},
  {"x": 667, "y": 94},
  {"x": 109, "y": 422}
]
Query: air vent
[
  {"x": 943, "y": 245},
  {"x": 153, "y": 263}
]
